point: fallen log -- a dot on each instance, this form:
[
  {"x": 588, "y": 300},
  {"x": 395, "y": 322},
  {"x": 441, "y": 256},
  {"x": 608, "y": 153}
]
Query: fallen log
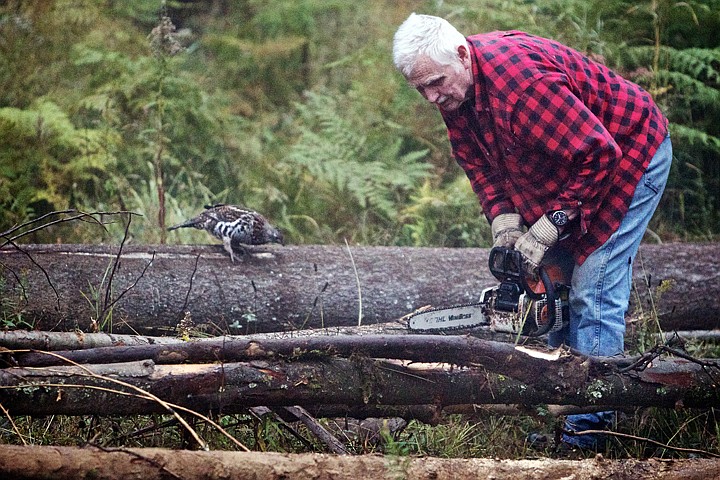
[
  {"x": 56, "y": 341},
  {"x": 564, "y": 370},
  {"x": 357, "y": 381},
  {"x": 67, "y": 287},
  {"x": 234, "y": 387},
  {"x": 66, "y": 463},
  {"x": 59, "y": 341},
  {"x": 497, "y": 357}
]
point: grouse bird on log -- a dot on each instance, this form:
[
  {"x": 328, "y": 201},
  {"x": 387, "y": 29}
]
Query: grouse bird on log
[{"x": 235, "y": 226}]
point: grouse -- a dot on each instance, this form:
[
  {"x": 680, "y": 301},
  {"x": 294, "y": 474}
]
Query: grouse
[{"x": 235, "y": 226}]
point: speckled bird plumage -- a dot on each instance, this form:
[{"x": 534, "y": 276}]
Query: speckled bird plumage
[{"x": 235, "y": 226}]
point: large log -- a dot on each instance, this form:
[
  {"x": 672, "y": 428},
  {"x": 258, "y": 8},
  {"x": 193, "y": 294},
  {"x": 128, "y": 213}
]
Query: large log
[
  {"x": 64, "y": 287},
  {"x": 311, "y": 378},
  {"x": 69, "y": 463}
]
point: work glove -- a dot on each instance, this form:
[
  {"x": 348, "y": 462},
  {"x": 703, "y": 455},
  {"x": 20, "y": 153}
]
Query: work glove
[
  {"x": 506, "y": 229},
  {"x": 533, "y": 244}
]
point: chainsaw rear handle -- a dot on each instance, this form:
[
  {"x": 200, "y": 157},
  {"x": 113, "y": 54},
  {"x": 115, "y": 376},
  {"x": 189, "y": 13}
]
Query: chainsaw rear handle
[{"x": 507, "y": 266}]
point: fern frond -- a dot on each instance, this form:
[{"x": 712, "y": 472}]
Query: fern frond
[
  {"x": 699, "y": 63},
  {"x": 693, "y": 136},
  {"x": 681, "y": 85},
  {"x": 369, "y": 173}
]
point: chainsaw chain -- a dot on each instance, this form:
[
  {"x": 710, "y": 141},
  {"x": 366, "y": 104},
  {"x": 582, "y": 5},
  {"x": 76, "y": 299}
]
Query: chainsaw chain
[{"x": 446, "y": 329}]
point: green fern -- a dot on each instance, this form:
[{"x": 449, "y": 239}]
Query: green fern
[
  {"x": 345, "y": 164},
  {"x": 693, "y": 136},
  {"x": 44, "y": 157}
]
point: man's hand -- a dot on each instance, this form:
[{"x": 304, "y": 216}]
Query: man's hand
[
  {"x": 533, "y": 244},
  {"x": 506, "y": 229}
]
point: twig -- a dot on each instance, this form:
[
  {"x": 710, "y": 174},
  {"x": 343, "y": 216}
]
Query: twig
[
  {"x": 642, "y": 362},
  {"x": 79, "y": 216},
  {"x": 30, "y": 222},
  {"x": 259, "y": 412},
  {"x": 190, "y": 285},
  {"x": 706, "y": 365},
  {"x": 47, "y": 276},
  {"x": 312, "y": 309},
  {"x": 108, "y": 289},
  {"x": 14, "y": 427},
  {"x": 357, "y": 280},
  {"x": 142, "y": 274}
]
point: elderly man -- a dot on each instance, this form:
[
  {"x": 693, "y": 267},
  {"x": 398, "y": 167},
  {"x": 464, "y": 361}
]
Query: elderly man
[{"x": 556, "y": 143}]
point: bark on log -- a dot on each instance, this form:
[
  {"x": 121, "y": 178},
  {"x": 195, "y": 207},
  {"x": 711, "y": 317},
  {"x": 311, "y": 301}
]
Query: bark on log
[
  {"x": 57, "y": 341},
  {"x": 52, "y": 341},
  {"x": 233, "y": 387},
  {"x": 288, "y": 288},
  {"x": 456, "y": 349},
  {"x": 66, "y": 463},
  {"x": 561, "y": 369}
]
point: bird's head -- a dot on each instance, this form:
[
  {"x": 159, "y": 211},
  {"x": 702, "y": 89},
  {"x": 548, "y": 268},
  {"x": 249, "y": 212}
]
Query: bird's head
[{"x": 275, "y": 236}]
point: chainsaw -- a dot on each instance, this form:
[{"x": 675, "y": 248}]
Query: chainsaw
[{"x": 520, "y": 304}]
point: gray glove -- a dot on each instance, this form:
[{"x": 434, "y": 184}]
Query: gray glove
[
  {"x": 542, "y": 235},
  {"x": 506, "y": 229}
]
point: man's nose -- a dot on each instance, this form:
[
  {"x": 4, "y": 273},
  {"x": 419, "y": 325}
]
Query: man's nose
[{"x": 430, "y": 94}]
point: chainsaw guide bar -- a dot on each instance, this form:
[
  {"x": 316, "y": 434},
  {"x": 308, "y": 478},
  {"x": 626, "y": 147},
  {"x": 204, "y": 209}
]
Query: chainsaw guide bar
[{"x": 454, "y": 318}]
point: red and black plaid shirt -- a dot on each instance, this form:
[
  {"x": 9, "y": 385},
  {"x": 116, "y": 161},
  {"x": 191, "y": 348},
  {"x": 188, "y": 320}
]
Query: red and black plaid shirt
[{"x": 550, "y": 129}]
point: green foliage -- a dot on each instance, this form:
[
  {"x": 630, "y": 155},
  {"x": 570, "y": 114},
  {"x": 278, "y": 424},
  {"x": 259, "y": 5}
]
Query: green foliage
[
  {"x": 336, "y": 163},
  {"x": 294, "y": 108},
  {"x": 446, "y": 216},
  {"x": 688, "y": 87},
  {"x": 45, "y": 161},
  {"x": 11, "y": 306}
]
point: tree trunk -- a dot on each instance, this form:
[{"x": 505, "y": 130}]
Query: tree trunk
[
  {"x": 64, "y": 287},
  {"x": 66, "y": 463}
]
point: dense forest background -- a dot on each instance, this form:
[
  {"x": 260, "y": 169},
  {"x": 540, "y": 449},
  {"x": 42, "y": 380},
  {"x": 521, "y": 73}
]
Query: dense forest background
[{"x": 293, "y": 108}]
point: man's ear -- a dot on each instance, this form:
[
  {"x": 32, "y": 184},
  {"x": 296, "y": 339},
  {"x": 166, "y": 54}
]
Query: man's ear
[{"x": 464, "y": 55}]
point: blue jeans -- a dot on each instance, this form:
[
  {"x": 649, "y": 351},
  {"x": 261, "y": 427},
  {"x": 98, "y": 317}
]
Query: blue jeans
[{"x": 600, "y": 289}]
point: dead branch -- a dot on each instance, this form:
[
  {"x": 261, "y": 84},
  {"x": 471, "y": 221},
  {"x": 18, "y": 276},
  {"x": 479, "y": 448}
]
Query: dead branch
[
  {"x": 52, "y": 341},
  {"x": 317, "y": 429}
]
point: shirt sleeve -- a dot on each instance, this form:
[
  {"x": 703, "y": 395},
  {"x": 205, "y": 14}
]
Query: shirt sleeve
[
  {"x": 550, "y": 119},
  {"x": 486, "y": 179}
]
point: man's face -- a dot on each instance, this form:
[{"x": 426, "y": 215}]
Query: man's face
[{"x": 443, "y": 85}]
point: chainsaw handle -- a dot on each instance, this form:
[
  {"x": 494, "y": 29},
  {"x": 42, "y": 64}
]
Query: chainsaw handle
[{"x": 507, "y": 266}]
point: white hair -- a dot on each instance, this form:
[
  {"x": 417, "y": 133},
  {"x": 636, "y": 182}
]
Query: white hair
[{"x": 426, "y": 35}]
